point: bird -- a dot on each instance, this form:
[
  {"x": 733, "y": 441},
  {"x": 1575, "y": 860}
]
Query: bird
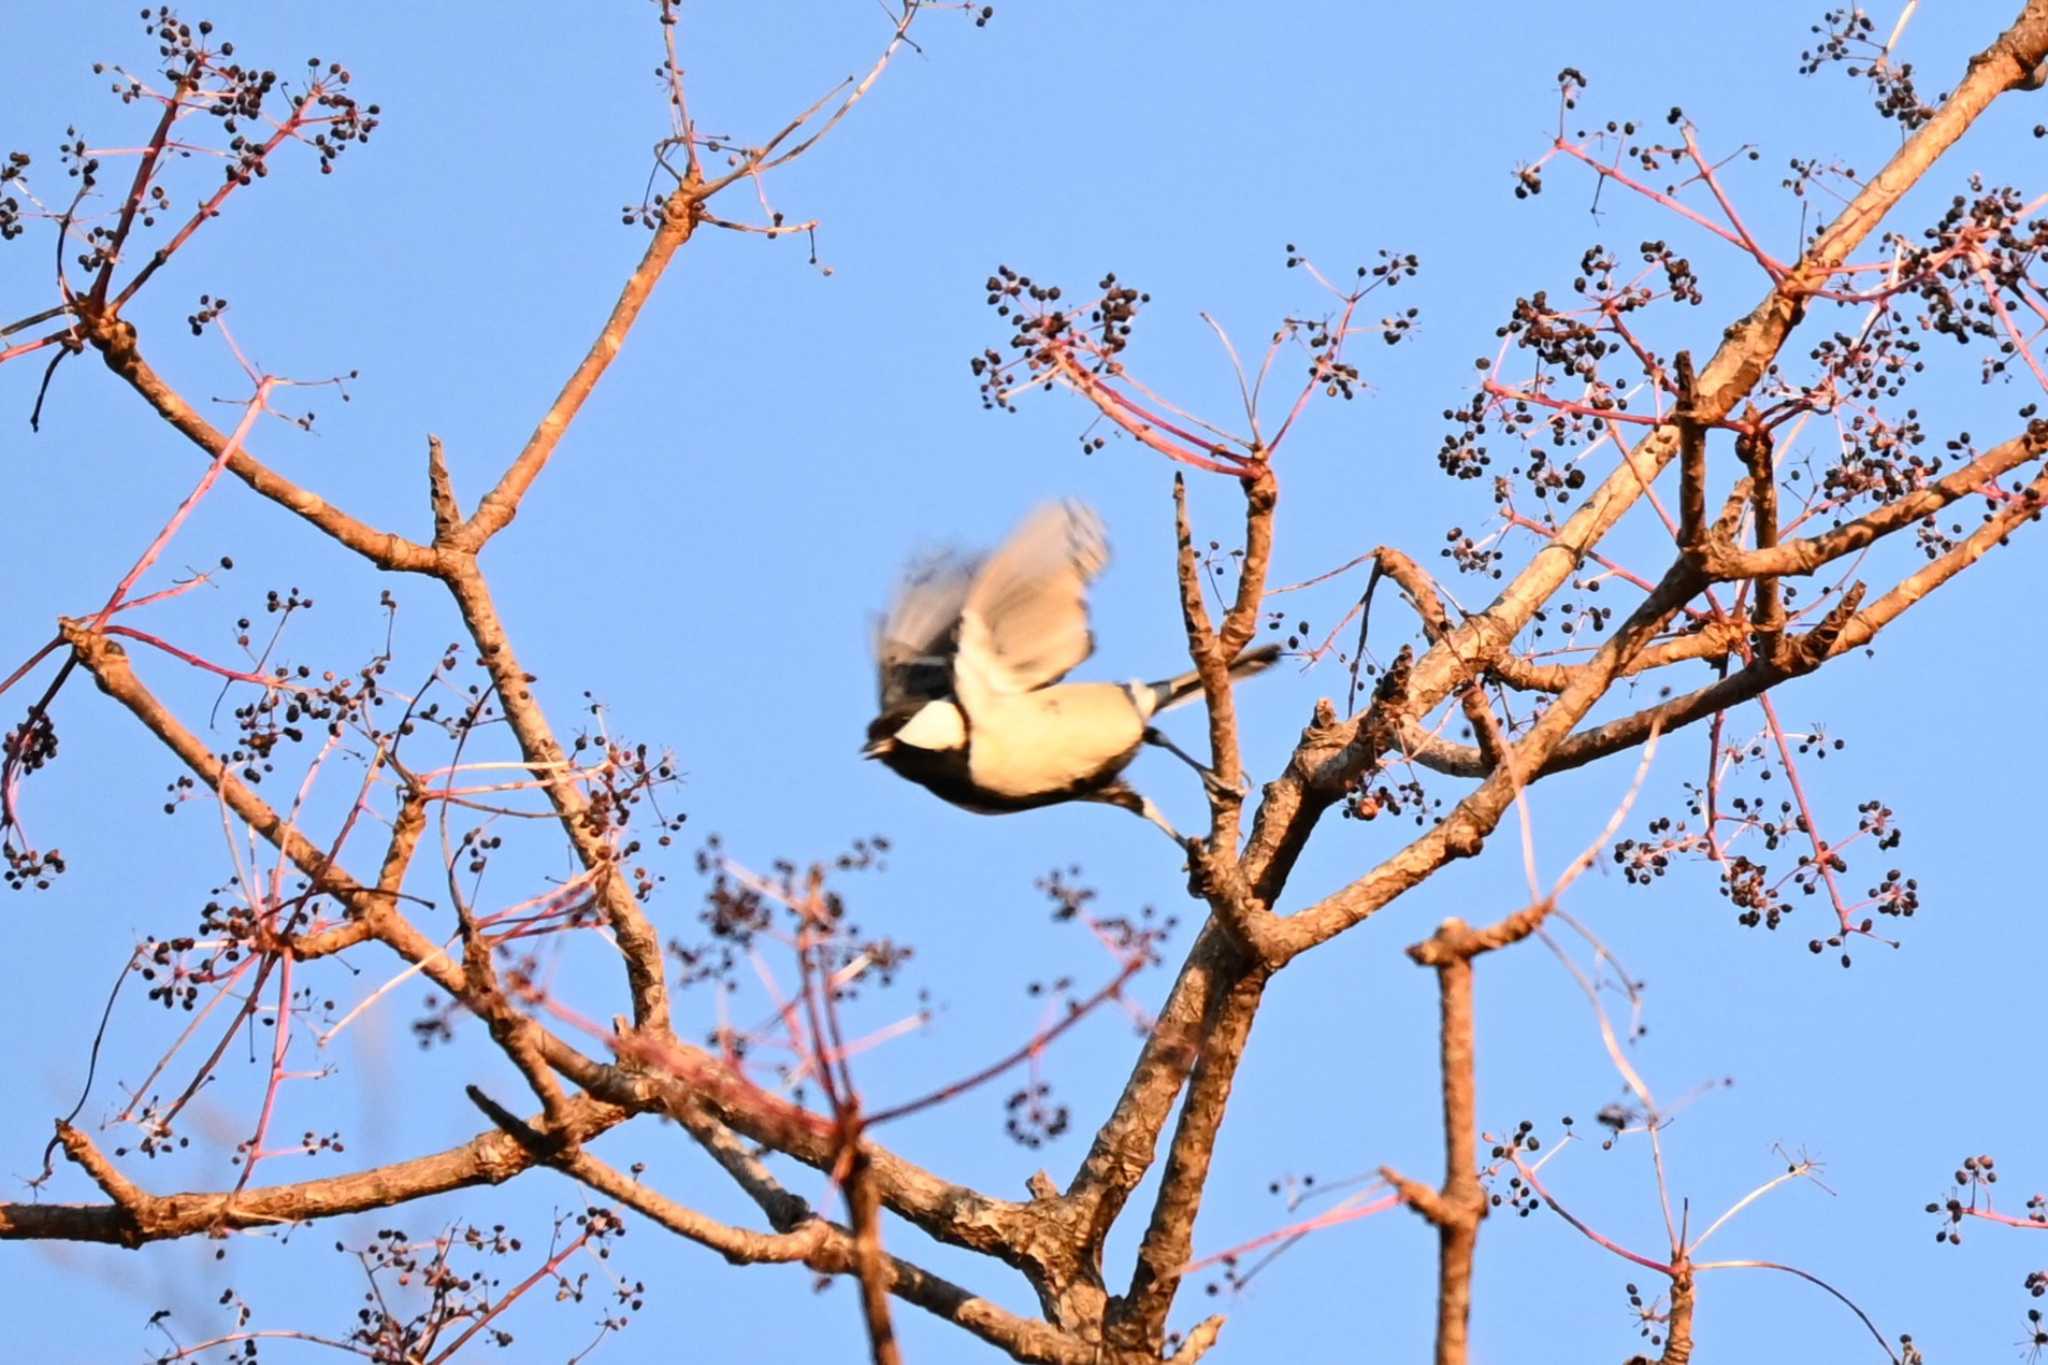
[{"x": 970, "y": 658}]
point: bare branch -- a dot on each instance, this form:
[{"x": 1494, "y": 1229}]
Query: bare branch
[
  {"x": 638, "y": 943},
  {"x": 678, "y": 221},
  {"x": 136, "y": 1218},
  {"x": 117, "y": 343},
  {"x": 1138, "y": 1321}
]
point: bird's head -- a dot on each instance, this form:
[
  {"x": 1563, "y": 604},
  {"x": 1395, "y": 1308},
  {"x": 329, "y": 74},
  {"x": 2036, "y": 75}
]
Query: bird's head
[{"x": 881, "y": 736}]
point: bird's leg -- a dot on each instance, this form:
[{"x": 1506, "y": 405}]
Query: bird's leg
[
  {"x": 1136, "y": 804},
  {"x": 1215, "y": 784}
]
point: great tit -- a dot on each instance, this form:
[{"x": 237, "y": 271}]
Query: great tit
[{"x": 970, "y": 659}]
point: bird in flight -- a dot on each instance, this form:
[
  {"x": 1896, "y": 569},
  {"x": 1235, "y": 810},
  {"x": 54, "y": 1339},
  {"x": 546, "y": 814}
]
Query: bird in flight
[{"x": 970, "y": 658}]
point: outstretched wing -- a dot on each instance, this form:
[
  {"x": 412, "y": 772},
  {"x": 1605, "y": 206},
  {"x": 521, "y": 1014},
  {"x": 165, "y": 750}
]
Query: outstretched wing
[
  {"x": 1024, "y": 623},
  {"x": 914, "y": 644}
]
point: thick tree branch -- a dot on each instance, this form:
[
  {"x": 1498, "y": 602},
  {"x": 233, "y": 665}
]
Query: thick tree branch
[
  {"x": 828, "y": 1249},
  {"x": 1137, "y": 1322},
  {"x": 1759, "y": 455},
  {"x": 638, "y": 943},
  {"x": 116, "y": 340},
  {"x": 441, "y": 493},
  {"x": 136, "y": 1218},
  {"x": 1126, "y": 1144},
  {"x": 1692, "y": 455},
  {"x": 1457, "y": 1208},
  {"x": 872, "y": 1266},
  {"x": 737, "y": 1245},
  {"x": 1678, "y": 1320},
  {"x": 689, "y": 1085},
  {"x": 1215, "y": 872},
  {"x": 1809, "y": 553}
]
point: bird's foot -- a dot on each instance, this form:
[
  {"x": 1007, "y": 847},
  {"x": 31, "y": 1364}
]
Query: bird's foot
[
  {"x": 1213, "y": 782},
  {"x": 1211, "y": 779}
]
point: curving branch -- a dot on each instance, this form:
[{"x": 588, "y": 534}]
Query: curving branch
[
  {"x": 136, "y": 1217},
  {"x": 119, "y": 346}
]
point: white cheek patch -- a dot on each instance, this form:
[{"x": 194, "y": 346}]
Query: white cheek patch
[{"x": 937, "y": 726}]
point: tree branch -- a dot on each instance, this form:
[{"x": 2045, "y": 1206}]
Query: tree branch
[
  {"x": 1292, "y": 806},
  {"x": 136, "y": 1218},
  {"x": 1137, "y": 1322},
  {"x": 678, "y": 221},
  {"x": 638, "y": 943},
  {"x": 116, "y": 340},
  {"x": 374, "y": 907},
  {"x": 1833, "y": 638},
  {"x": 833, "y": 1250},
  {"x": 1807, "y": 554}
]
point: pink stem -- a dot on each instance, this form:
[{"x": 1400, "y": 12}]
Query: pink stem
[
  {"x": 1030, "y": 1049},
  {"x": 163, "y": 537},
  {"x": 1661, "y": 1267},
  {"x": 1822, "y": 854}
]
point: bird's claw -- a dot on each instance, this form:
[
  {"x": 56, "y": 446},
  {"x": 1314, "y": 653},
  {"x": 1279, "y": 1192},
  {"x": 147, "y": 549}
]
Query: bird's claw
[{"x": 1222, "y": 790}]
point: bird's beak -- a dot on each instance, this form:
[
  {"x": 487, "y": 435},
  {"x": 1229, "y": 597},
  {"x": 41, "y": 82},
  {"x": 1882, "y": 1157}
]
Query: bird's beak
[{"x": 875, "y": 748}]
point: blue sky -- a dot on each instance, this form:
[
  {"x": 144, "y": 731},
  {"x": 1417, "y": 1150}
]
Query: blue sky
[{"x": 707, "y": 547}]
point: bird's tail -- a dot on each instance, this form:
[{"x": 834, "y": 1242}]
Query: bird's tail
[{"x": 1173, "y": 692}]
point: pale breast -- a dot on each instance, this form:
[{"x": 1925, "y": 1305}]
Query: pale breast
[{"x": 1058, "y": 739}]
